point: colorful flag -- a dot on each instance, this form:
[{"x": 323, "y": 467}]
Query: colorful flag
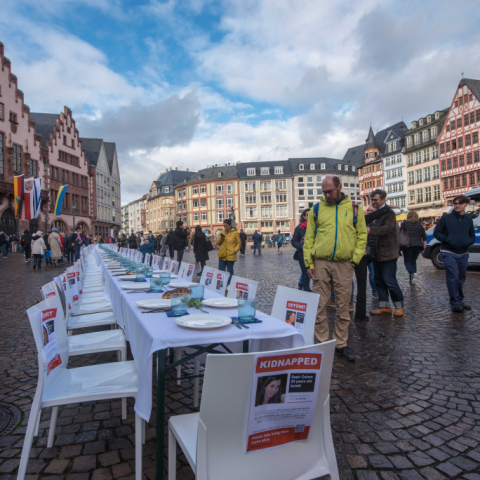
[
  {"x": 28, "y": 211},
  {"x": 59, "y": 202},
  {"x": 18, "y": 193},
  {"x": 37, "y": 186}
]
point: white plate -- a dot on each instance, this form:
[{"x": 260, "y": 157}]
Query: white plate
[
  {"x": 180, "y": 284},
  {"x": 128, "y": 277},
  {"x": 203, "y": 321},
  {"x": 136, "y": 286},
  {"x": 221, "y": 303},
  {"x": 163, "y": 303}
]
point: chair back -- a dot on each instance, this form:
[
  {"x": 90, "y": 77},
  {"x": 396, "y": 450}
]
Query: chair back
[
  {"x": 220, "y": 280},
  {"x": 166, "y": 264},
  {"x": 297, "y": 308},
  {"x": 242, "y": 288},
  {"x": 148, "y": 257},
  {"x": 157, "y": 262},
  {"x": 229, "y": 404},
  {"x": 173, "y": 267},
  {"x": 186, "y": 271},
  {"x": 51, "y": 340},
  {"x": 50, "y": 290},
  {"x": 138, "y": 256},
  {"x": 207, "y": 277}
]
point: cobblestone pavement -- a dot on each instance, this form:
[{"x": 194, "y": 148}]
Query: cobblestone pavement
[{"x": 408, "y": 408}]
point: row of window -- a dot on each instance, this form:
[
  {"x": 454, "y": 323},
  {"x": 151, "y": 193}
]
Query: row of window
[
  {"x": 395, "y": 187},
  {"x": 371, "y": 168},
  {"x": 426, "y": 156},
  {"x": 69, "y": 200},
  {"x": 252, "y": 199},
  {"x": 421, "y": 195},
  {"x": 466, "y": 120},
  {"x": 371, "y": 184},
  {"x": 458, "y": 142},
  {"x": 419, "y": 176},
  {"x": 266, "y": 212},
  {"x": 68, "y": 177},
  {"x": 394, "y": 173},
  {"x": 425, "y": 136},
  {"x": 463, "y": 99},
  {"x": 460, "y": 161},
  {"x": 397, "y": 202},
  {"x": 461, "y": 180},
  {"x": 266, "y": 171},
  {"x": 157, "y": 213},
  {"x": 429, "y": 119},
  {"x": 68, "y": 158},
  {"x": 393, "y": 160}
]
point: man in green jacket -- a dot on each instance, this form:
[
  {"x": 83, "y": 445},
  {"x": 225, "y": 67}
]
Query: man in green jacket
[{"x": 334, "y": 245}]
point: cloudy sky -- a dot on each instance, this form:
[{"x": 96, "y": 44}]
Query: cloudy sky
[{"x": 190, "y": 83}]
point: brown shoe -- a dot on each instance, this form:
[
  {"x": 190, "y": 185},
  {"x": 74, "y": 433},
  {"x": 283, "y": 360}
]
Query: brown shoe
[
  {"x": 381, "y": 311},
  {"x": 398, "y": 312},
  {"x": 351, "y": 308},
  {"x": 331, "y": 304}
]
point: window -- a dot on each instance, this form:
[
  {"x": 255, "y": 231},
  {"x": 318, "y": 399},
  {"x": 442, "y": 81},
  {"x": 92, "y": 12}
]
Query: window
[
  {"x": 281, "y": 198},
  {"x": 410, "y": 159},
  {"x": 179, "y": 194},
  {"x": 167, "y": 189},
  {"x": 436, "y": 172},
  {"x": 417, "y": 138},
  {"x": 219, "y": 189},
  {"x": 409, "y": 141},
  {"x": 264, "y": 171},
  {"x": 203, "y": 202},
  {"x": 301, "y": 166},
  {"x": 411, "y": 197},
  {"x": 464, "y": 180},
  {"x": 250, "y": 186},
  {"x": 319, "y": 179},
  {"x": 461, "y": 160},
  {"x": 250, "y": 172},
  {"x": 229, "y": 189},
  {"x": 339, "y": 166},
  {"x": 426, "y": 174},
  {"x": 322, "y": 166},
  {"x": 319, "y": 192},
  {"x": 459, "y": 123},
  {"x": 249, "y": 199},
  {"x": 419, "y": 195},
  {"x": 229, "y": 202},
  {"x": 433, "y": 132},
  {"x": 449, "y": 163},
  {"x": 472, "y": 179},
  {"x": 475, "y": 137},
  {"x": 251, "y": 212},
  {"x": 179, "y": 206},
  {"x": 278, "y": 170},
  {"x": 266, "y": 198},
  {"x": 418, "y": 176},
  {"x": 469, "y": 158},
  {"x": 477, "y": 115},
  {"x": 194, "y": 190},
  {"x": 195, "y": 217},
  {"x": 353, "y": 168},
  {"x": 472, "y": 117},
  {"x": 447, "y": 146},
  {"x": 280, "y": 185},
  {"x": 436, "y": 192},
  {"x": 426, "y": 155},
  {"x": 220, "y": 216},
  {"x": 312, "y": 166},
  {"x": 455, "y": 162},
  {"x": 266, "y": 212},
  {"x": 184, "y": 205},
  {"x": 346, "y": 168},
  {"x": 309, "y": 181},
  {"x": 468, "y": 140},
  {"x": 1, "y": 156},
  {"x": 452, "y": 125},
  {"x": 219, "y": 202},
  {"x": 203, "y": 189},
  {"x": 460, "y": 142},
  {"x": 195, "y": 204},
  {"x": 266, "y": 224},
  {"x": 442, "y": 148},
  {"x": 457, "y": 181},
  {"x": 301, "y": 192},
  {"x": 17, "y": 158},
  {"x": 418, "y": 157},
  {"x": 428, "y": 194},
  {"x": 265, "y": 186},
  {"x": 310, "y": 193},
  {"x": 411, "y": 178},
  {"x": 219, "y": 174},
  {"x": 281, "y": 211},
  {"x": 465, "y": 119},
  {"x": 203, "y": 216}
]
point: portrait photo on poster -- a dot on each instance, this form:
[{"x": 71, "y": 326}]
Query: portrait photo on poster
[{"x": 271, "y": 389}]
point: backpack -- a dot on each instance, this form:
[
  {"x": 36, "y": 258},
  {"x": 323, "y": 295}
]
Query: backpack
[
  {"x": 355, "y": 215},
  {"x": 280, "y": 239}
]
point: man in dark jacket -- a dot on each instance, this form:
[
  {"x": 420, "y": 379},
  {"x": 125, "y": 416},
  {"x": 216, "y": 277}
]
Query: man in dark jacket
[
  {"x": 70, "y": 247},
  {"x": 170, "y": 242},
  {"x": 387, "y": 253},
  {"x": 243, "y": 242},
  {"x": 180, "y": 241},
  {"x": 457, "y": 233},
  {"x": 132, "y": 241},
  {"x": 26, "y": 243},
  {"x": 257, "y": 242}
]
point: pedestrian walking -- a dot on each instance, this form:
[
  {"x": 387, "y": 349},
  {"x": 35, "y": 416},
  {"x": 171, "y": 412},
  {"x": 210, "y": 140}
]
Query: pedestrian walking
[
  {"x": 456, "y": 233},
  {"x": 243, "y": 242},
  {"x": 298, "y": 241},
  {"x": 229, "y": 241},
  {"x": 279, "y": 242},
  {"x": 132, "y": 241},
  {"x": 26, "y": 243},
  {"x": 417, "y": 243},
  {"x": 55, "y": 246},
  {"x": 38, "y": 249},
  {"x": 14, "y": 243},
  {"x": 334, "y": 245},
  {"x": 200, "y": 248},
  {"x": 386, "y": 256},
  {"x": 171, "y": 242},
  {"x": 78, "y": 244},
  {"x": 257, "y": 242},
  {"x": 180, "y": 241},
  {"x": 4, "y": 239},
  {"x": 163, "y": 246},
  {"x": 70, "y": 247}
]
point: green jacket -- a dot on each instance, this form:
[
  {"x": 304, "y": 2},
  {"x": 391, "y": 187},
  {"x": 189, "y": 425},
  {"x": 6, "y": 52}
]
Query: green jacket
[{"x": 337, "y": 238}]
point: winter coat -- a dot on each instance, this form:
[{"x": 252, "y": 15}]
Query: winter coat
[
  {"x": 26, "y": 240},
  {"x": 163, "y": 245},
  {"x": 338, "y": 239},
  {"x": 3, "y": 238},
  {"x": 257, "y": 239},
  {"x": 229, "y": 245},
  {"x": 456, "y": 232},
  {"x": 132, "y": 241},
  {"x": 71, "y": 241},
  {"x": 55, "y": 245},
  {"x": 170, "y": 238},
  {"x": 200, "y": 247},
  {"x": 38, "y": 246},
  {"x": 180, "y": 239},
  {"x": 416, "y": 233},
  {"x": 298, "y": 239},
  {"x": 386, "y": 234},
  {"x": 243, "y": 238}
]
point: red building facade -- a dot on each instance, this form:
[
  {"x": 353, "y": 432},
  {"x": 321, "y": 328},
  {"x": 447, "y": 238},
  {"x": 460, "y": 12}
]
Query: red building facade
[{"x": 458, "y": 142}]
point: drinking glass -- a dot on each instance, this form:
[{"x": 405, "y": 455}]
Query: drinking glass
[
  {"x": 247, "y": 309},
  {"x": 197, "y": 291},
  {"x": 180, "y": 303},
  {"x": 165, "y": 276},
  {"x": 148, "y": 272},
  {"x": 156, "y": 285},
  {"x": 140, "y": 274}
]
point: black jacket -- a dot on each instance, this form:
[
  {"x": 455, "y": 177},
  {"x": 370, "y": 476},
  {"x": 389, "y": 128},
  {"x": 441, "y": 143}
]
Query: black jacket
[
  {"x": 200, "y": 247},
  {"x": 132, "y": 241},
  {"x": 456, "y": 232},
  {"x": 180, "y": 239},
  {"x": 170, "y": 238},
  {"x": 243, "y": 238},
  {"x": 26, "y": 240},
  {"x": 257, "y": 239},
  {"x": 70, "y": 242},
  {"x": 416, "y": 233},
  {"x": 298, "y": 238}
]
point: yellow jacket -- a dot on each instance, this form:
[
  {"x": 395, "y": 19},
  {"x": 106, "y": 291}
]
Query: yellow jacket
[
  {"x": 337, "y": 239},
  {"x": 229, "y": 246}
]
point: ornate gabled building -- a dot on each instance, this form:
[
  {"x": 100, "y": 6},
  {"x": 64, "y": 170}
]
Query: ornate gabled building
[
  {"x": 20, "y": 150},
  {"x": 161, "y": 215},
  {"x": 458, "y": 141}
]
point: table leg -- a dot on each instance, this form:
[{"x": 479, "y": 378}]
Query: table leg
[
  {"x": 245, "y": 346},
  {"x": 160, "y": 412}
]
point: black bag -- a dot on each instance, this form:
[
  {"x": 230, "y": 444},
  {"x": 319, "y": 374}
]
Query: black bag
[
  {"x": 209, "y": 245},
  {"x": 295, "y": 255},
  {"x": 403, "y": 238}
]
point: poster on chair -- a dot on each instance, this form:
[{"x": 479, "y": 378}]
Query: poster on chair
[
  {"x": 284, "y": 396},
  {"x": 50, "y": 344}
]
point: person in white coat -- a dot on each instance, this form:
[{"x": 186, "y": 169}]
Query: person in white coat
[{"x": 38, "y": 249}]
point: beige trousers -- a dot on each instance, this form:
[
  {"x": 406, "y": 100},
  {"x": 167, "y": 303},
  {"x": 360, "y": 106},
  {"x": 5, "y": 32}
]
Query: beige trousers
[{"x": 341, "y": 274}]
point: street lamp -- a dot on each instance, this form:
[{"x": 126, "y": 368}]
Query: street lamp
[
  {"x": 18, "y": 216},
  {"x": 73, "y": 209}
]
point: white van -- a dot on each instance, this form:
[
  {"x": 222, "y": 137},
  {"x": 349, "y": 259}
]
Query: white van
[{"x": 432, "y": 249}]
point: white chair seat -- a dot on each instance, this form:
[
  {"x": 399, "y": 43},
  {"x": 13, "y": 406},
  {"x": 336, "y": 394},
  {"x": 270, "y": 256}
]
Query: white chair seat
[
  {"x": 185, "y": 428},
  {"x": 93, "y": 289},
  {"x": 95, "y": 382},
  {"x": 91, "y": 320},
  {"x": 87, "y": 299},
  {"x": 95, "y": 342},
  {"x": 92, "y": 308}
]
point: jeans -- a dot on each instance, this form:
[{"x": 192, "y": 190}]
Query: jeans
[
  {"x": 386, "y": 281},
  {"x": 455, "y": 273},
  {"x": 410, "y": 256},
  {"x": 5, "y": 250},
  {"x": 70, "y": 255},
  {"x": 371, "y": 274},
  {"x": 171, "y": 250},
  {"x": 37, "y": 260},
  {"x": 242, "y": 249},
  {"x": 180, "y": 256},
  {"x": 304, "y": 279},
  {"x": 226, "y": 265},
  {"x": 257, "y": 246},
  {"x": 77, "y": 252},
  {"x": 14, "y": 247},
  {"x": 361, "y": 275}
]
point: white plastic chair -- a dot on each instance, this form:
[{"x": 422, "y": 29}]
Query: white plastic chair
[
  {"x": 219, "y": 283},
  {"x": 173, "y": 267},
  {"x": 242, "y": 288},
  {"x": 186, "y": 271},
  {"x": 207, "y": 277},
  {"x": 59, "y": 386},
  {"x": 92, "y": 301},
  {"x": 148, "y": 257},
  {"x": 166, "y": 264},
  {"x": 299, "y": 308},
  {"x": 214, "y": 453},
  {"x": 157, "y": 262}
]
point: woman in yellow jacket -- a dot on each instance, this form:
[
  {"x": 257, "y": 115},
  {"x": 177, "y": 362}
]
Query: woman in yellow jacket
[{"x": 229, "y": 241}]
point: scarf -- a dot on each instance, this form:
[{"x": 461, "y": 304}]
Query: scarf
[{"x": 303, "y": 225}]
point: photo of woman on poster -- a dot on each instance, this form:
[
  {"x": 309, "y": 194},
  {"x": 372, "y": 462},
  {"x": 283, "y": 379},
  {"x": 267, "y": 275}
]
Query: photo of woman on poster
[
  {"x": 290, "y": 317},
  {"x": 270, "y": 389}
]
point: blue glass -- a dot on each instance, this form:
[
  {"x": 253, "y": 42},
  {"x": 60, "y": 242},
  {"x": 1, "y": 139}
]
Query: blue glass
[
  {"x": 156, "y": 285},
  {"x": 140, "y": 274},
  {"x": 180, "y": 303},
  {"x": 149, "y": 272},
  {"x": 247, "y": 309},
  {"x": 165, "y": 276},
  {"x": 197, "y": 291}
]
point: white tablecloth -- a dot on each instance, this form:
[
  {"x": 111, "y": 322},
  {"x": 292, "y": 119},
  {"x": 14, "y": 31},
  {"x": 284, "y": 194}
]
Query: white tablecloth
[{"x": 148, "y": 333}]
